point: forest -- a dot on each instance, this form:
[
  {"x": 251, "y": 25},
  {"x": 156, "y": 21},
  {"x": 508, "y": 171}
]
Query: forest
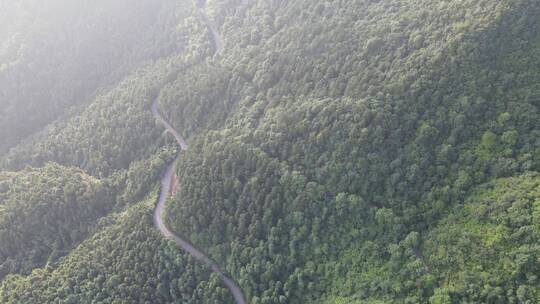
[{"x": 339, "y": 151}]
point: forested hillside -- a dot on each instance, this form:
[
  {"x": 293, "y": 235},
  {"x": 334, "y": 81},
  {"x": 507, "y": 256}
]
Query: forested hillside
[
  {"x": 339, "y": 151},
  {"x": 359, "y": 170},
  {"x": 127, "y": 261},
  {"x": 60, "y": 54},
  {"x": 45, "y": 212}
]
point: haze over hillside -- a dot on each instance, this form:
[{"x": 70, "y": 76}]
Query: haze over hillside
[{"x": 270, "y": 151}]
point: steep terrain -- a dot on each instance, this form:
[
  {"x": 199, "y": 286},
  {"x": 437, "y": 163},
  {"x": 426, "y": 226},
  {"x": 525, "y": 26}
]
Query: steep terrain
[
  {"x": 339, "y": 152},
  {"x": 60, "y": 54},
  {"x": 45, "y": 212},
  {"x": 167, "y": 180},
  {"x": 126, "y": 261},
  {"x": 299, "y": 177}
]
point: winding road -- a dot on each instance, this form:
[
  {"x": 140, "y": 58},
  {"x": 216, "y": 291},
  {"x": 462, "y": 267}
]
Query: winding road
[{"x": 166, "y": 181}]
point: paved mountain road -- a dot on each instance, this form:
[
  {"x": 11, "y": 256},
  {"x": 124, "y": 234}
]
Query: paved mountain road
[{"x": 166, "y": 181}]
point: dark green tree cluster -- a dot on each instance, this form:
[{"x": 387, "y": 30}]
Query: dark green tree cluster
[
  {"x": 126, "y": 261},
  {"x": 133, "y": 184},
  {"x": 380, "y": 160},
  {"x": 45, "y": 212},
  {"x": 203, "y": 97},
  {"x": 261, "y": 219}
]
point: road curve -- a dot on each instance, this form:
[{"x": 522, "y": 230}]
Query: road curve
[
  {"x": 166, "y": 180},
  {"x": 218, "y": 42}
]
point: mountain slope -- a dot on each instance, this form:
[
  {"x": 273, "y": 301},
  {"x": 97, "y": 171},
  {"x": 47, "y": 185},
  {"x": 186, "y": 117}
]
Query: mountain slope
[
  {"x": 127, "y": 261},
  {"x": 337, "y": 154},
  {"x": 483, "y": 251},
  {"x": 60, "y": 54},
  {"x": 378, "y": 170},
  {"x": 45, "y": 212}
]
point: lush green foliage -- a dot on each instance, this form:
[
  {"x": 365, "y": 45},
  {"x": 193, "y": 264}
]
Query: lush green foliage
[
  {"x": 45, "y": 212},
  {"x": 340, "y": 152},
  {"x": 488, "y": 250},
  {"x": 482, "y": 252},
  {"x": 308, "y": 168},
  {"x": 127, "y": 261}
]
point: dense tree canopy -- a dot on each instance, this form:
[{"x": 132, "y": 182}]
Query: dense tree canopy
[
  {"x": 60, "y": 54},
  {"x": 45, "y": 212},
  {"x": 339, "y": 152},
  {"x": 126, "y": 261}
]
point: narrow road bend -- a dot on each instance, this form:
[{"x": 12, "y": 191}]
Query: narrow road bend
[
  {"x": 167, "y": 178},
  {"x": 166, "y": 181}
]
